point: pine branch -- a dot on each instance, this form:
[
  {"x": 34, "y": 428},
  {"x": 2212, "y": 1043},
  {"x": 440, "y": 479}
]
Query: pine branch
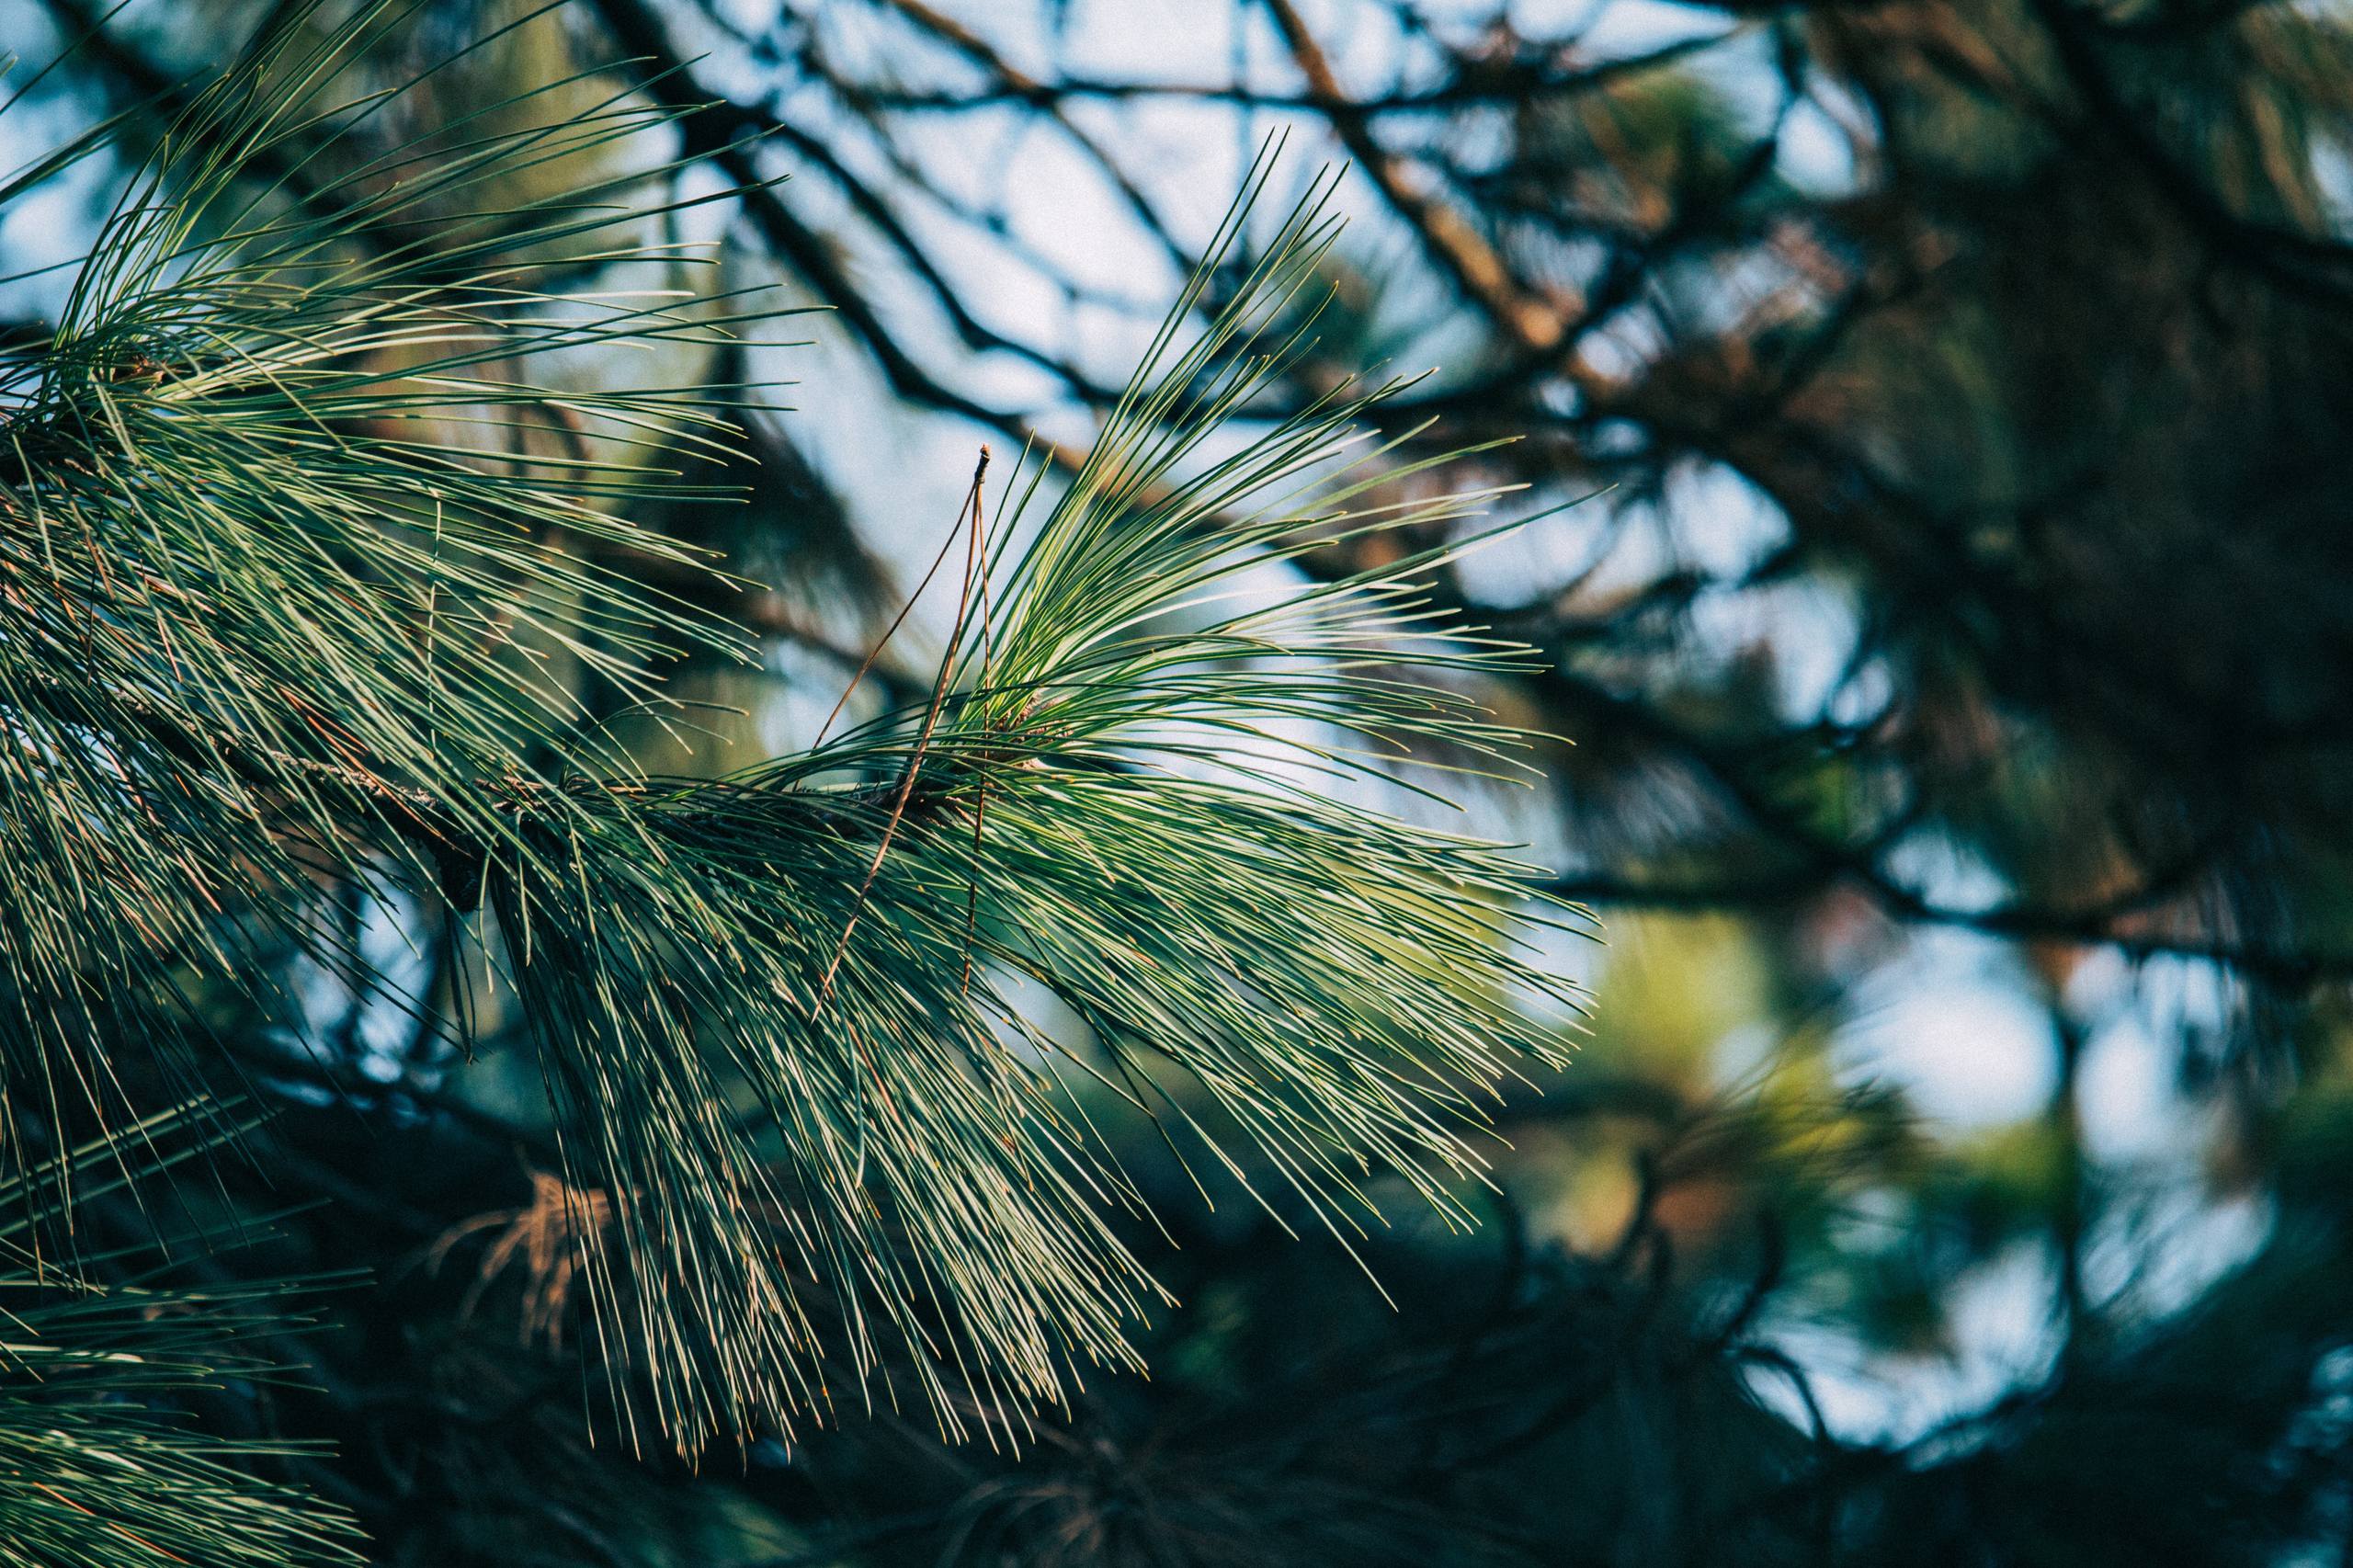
[{"x": 268, "y": 622}]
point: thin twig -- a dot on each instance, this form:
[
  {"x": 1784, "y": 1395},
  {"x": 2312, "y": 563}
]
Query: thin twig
[{"x": 923, "y": 736}]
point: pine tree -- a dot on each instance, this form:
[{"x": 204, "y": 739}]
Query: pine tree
[{"x": 311, "y": 508}]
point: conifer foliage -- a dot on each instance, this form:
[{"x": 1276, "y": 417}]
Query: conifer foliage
[{"x": 306, "y": 534}]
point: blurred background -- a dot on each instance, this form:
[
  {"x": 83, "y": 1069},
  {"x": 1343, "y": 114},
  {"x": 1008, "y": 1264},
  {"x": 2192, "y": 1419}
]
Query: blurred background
[{"x": 1938, "y": 413}]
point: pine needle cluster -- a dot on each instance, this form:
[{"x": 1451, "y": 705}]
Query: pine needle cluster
[{"x": 303, "y": 519}]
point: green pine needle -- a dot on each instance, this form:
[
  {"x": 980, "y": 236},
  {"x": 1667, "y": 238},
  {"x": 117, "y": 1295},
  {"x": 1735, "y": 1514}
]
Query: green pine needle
[
  {"x": 99, "y": 1463},
  {"x": 272, "y": 611}
]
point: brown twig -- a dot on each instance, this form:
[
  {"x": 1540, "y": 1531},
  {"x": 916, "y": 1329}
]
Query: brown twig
[{"x": 973, "y": 563}]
